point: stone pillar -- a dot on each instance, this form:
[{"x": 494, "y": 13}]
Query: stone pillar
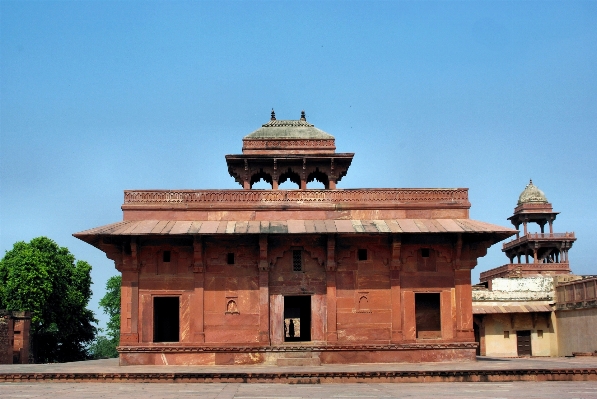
[
  {"x": 264, "y": 330},
  {"x": 409, "y": 322},
  {"x": 464, "y": 305},
  {"x": 129, "y": 311},
  {"x": 197, "y": 307},
  {"x": 332, "y": 333},
  {"x": 525, "y": 227},
  {"x": 332, "y": 184},
  {"x": 395, "y": 265},
  {"x": 551, "y": 226}
]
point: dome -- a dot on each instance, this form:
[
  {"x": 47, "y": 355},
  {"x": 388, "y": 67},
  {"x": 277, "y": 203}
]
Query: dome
[
  {"x": 289, "y": 129},
  {"x": 532, "y": 194}
]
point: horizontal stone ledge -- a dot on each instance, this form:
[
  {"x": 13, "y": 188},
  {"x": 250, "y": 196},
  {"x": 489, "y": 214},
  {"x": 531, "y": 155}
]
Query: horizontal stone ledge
[
  {"x": 312, "y": 376},
  {"x": 309, "y": 348}
]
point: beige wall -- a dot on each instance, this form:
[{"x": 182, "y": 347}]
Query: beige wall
[
  {"x": 577, "y": 331},
  {"x": 497, "y": 345}
]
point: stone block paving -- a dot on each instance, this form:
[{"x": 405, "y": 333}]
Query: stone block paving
[
  {"x": 527, "y": 390},
  {"x": 131, "y": 390},
  {"x": 483, "y": 363}
]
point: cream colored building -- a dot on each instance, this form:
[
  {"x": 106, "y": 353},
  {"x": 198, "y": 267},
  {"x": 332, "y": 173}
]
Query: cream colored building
[{"x": 515, "y": 317}]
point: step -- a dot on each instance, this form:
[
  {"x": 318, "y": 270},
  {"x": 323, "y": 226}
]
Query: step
[
  {"x": 297, "y": 355},
  {"x": 299, "y": 362}
]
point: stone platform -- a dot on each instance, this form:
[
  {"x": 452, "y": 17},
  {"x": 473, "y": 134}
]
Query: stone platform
[{"x": 485, "y": 369}]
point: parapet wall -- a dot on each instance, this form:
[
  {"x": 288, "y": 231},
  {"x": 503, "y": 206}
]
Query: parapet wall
[{"x": 517, "y": 289}]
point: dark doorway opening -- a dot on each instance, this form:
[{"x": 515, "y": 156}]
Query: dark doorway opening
[
  {"x": 165, "y": 319},
  {"x": 477, "y": 338},
  {"x": 523, "y": 342},
  {"x": 297, "y": 318},
  {"x": 428, "y": 316}
]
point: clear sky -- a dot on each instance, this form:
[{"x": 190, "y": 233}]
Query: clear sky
[{"x": 99, "y": 97}]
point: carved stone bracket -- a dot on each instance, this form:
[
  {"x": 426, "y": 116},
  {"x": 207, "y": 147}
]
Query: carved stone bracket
[
  {"x": 198, "y": 263},
  {"x": 263, "y": 265},
  {"x": 331, "y": 254},
  {"x": 396, "y": 263},
  {"x": 458, "y": 252},
  {"x": 134, "y": 254}
]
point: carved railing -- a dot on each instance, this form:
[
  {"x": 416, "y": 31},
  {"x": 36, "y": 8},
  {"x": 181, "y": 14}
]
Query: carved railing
[
  {"x": 539, "y": 236},
  {"x": 368, "y": 196}
]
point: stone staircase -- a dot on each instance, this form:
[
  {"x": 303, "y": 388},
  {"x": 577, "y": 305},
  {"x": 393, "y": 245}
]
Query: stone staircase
[{"x": 303, "y": 358}]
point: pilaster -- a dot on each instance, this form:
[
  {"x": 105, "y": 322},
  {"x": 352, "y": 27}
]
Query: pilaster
[{"x": 332, "y": 333}]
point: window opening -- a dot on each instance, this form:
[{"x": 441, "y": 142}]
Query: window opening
[
  {"x": 506, "y": 334},
  {"x": 428, "y": 315},
  {"x": 166, "y": 256},
  {"x": 424, "y": 252},
  {"x": 362, "y": 254},
  {"x": 297, "y": 260},
  {"x": 166, "y": 319},
  {"x": 230, "y": 258}
]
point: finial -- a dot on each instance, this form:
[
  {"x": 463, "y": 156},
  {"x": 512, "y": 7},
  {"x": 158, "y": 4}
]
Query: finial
[
  {"x": 273, "y": 118},
  {"x": 530, "y": 182},
  {"x": 303, "y": 117}
]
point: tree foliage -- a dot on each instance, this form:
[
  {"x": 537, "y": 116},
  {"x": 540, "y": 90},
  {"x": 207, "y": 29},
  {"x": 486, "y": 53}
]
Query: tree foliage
[
  {"x": 111, "y": 304},
  {"x": 44, "y": 278},
  {"x": 103, "y": 346}
]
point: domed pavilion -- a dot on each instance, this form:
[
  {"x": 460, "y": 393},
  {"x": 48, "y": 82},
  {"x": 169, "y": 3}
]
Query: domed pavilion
[{"x": 536, "y": 254}]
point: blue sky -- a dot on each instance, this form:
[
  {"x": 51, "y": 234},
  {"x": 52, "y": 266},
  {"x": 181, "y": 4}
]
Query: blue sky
[{"x": 99, "y": 97}]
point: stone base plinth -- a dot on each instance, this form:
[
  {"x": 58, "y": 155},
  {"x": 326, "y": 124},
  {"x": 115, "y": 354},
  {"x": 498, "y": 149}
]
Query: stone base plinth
[{"x": 271, "y": 355}]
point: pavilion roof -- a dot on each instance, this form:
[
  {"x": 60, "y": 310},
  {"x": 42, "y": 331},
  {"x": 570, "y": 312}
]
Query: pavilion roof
[{"x": 328, "y": 226}]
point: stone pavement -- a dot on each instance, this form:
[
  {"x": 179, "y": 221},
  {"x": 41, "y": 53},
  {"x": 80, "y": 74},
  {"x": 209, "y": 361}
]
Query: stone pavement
[
  {"x": 527, "y": 390},
  {"x": 483, "y": 363}
]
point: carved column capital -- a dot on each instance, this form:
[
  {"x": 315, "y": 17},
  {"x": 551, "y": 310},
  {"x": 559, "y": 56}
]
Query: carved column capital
[
  {"x": 198, "y": 263},
  {"x": 331, "y": 265},
  {"x": 263, "y": 264},
  {"x": 396, "y": 263}
]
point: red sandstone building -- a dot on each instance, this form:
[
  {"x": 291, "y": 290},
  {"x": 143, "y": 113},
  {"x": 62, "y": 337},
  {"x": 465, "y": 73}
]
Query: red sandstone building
[{"x": 303, "y": 276}]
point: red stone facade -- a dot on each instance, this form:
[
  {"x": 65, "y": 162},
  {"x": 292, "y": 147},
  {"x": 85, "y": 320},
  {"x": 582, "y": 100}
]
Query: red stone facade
[
  {"x": 295, "y": 276},
  {"x": 14, "y": 337}
]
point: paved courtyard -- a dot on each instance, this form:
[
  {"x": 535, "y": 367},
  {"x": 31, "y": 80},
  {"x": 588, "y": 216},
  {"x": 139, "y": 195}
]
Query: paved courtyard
[
  {"x": 483, "y": 363},
  {"x": 527, "y": 390},
  {"x": 129, "y": 390}
]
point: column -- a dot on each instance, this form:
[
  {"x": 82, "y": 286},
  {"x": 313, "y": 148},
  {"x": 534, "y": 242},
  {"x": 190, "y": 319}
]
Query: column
[
  {"x": 332, "y": 333},
  {"x": 464, "y": 305},
  {"x": 129, "y": 293},
  {"x": 197, "y": 299},
  {"x": 395, "y": 265},
  {"x": 264, "y": 330},
  {"x": 129, "y": 311}
]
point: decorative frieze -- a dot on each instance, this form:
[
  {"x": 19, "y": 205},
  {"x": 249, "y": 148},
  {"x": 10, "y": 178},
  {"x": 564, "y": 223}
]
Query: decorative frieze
[{"x": 365, "y": 196}]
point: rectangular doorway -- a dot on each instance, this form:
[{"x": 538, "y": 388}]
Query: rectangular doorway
[
  {"x": 297, "y": 318},
  {"x": 523, "y": 342},
  {"x": 166, "y": 319},
  {"x": 428, "y": 316}
]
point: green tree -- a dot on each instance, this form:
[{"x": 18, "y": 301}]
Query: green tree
[
  {"x": 102, "y": 347},
  {"x": 44, "y": 278},
  {"x": 106, "y": 346},
  {"x": 111, "y": 304}
]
